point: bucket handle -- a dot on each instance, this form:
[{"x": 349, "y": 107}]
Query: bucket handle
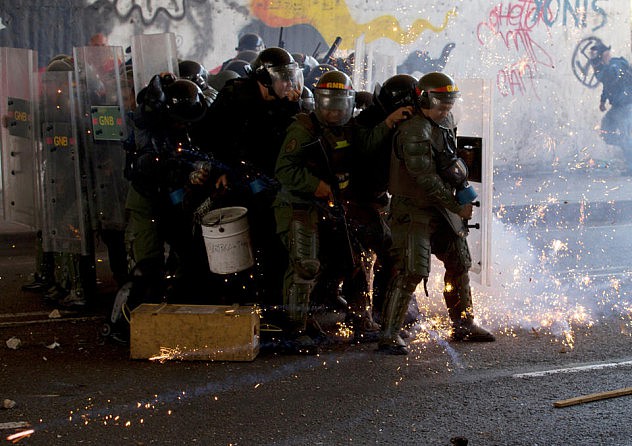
[{"x": 218, "y": 221}]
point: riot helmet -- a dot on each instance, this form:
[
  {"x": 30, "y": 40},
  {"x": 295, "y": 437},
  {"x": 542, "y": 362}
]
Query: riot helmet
[
  {"x": 436, "y": 88},
  {"x": 315, "y": 73},
  {"x": 596, "y": 54},
  {"x": 193, "y": 71},
  {"x": 277, "y": 70},
  {"x": 307, "y": 100},
  {"x": 184, "y": 101},
  {"x": 237, "y": 66},
  {"x": 334, "y": 99},
  {"x": 363, "y": 100},
  {"x": 397, "y": 91},
  {"x": 247, "y": 55},
  {"x": 250, "y": 41},
  {"x": 61, "y": 62},
  {"x": 217, "y": 81}
]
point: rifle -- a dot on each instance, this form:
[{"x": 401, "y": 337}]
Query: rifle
[
  {"x": 245, "y": 175},
  {"x": 281, "y": 42},
  {"x": 334, "y": 46},
  {"x": 335, "y": 211},
  {"x": 244, "y": 180}
]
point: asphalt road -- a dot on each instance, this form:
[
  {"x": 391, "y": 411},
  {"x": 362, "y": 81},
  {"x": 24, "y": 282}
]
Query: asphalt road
[{"x": 70, "y": 386}]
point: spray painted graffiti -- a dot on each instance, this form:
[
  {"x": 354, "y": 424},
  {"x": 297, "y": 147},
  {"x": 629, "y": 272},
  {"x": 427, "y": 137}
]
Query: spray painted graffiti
[
  {"x": 549, "y": 12},
  {"x": 582, "y": 68},
  {"x": 513, "y": 24},
  {"x": 333, "y": 18},
  {"x": 148, "y": 9}
]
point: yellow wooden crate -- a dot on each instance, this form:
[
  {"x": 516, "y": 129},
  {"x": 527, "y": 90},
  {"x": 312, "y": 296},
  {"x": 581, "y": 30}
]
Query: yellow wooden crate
[{"x": 194, "y": 332}]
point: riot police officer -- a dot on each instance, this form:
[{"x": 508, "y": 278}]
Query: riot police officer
[
  {"x": 160, "y": 174},
  {"x": 315, "y": 170},
  {"x": 250, "y": 116},
  {"x": 195, "y": 72},
  {"x": 425, "y": 173},
  {"x": 370, "y": 176}
]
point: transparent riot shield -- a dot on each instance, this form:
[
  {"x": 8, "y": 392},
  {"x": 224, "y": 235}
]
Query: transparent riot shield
[
  {"x": 101, "y": 82},
  {"x": 19, "y": 130},
  {"x": 153, "y": 54},
  {"x": 372, "y": 65},
  {"x": 474, "y": 145},
  {"x": 65, "y": 214}
]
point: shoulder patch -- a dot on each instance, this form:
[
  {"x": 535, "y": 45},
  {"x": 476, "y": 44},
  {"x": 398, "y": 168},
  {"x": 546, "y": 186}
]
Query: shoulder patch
[{"x": 291, "y": 146}]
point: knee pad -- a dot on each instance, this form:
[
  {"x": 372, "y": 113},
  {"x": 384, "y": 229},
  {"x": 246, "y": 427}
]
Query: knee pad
[
  {"x": 408, "y": 281},
  {"x": 304, "y": 246}
]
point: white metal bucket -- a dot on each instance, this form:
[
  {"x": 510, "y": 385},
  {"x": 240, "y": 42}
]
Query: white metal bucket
[{"x": 227, "y": 240}]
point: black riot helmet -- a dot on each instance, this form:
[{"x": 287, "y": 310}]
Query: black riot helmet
[
  {"x": 277, "y": 70},
  {"x": 237, "y": 66},
  {"x": 315, "y": 73},
  {"x": 334, "y": 98},
  {"x": 193, "y": 71},
  {"x": 61, "y": 62},
  {"x": 250, "y": 41},
  {"x": 247, "y": 55},
  {"x": 217, "y": 81},
  {"x": 436, "y": 88},
  {"x": 307, "y": 100},
  {"x": 184, "y": 101},
  {"x": 397, "y": 91}
]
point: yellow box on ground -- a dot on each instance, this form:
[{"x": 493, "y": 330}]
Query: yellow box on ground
[{"x": 194, "y": 332}]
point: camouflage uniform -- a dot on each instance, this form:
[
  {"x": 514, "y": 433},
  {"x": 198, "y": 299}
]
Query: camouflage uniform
[
  {"x": 418, "y": 227},
  {"x": 302, "y": 219}
]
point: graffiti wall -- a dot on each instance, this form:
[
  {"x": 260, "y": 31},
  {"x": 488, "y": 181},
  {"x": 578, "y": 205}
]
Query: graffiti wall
[{"x": 534, "y": 52}]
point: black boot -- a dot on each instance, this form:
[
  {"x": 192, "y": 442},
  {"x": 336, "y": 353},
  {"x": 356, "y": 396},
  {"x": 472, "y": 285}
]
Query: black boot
[
  {"x": 466, "y": 330},
  {"x": 40, "y": 284}
]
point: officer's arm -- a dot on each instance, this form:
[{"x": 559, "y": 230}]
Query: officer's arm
[
  {"x": 291, "y": 169},
  {"x": 417, "y": 154},
  {"x": 372, "y": 138}
]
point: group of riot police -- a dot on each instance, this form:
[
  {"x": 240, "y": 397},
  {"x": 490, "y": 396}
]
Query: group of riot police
[{"x": 344, "y": 206}]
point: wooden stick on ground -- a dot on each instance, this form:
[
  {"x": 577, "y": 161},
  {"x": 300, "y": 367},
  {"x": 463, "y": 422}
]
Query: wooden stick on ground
[{"x": 594, "y": 397}]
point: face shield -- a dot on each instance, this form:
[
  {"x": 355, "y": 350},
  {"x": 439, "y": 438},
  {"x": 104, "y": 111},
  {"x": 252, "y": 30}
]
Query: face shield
[
  {"x": 286, "y": 78},
  {"x": 445, "y": 111},
  {"x": 334, "y": 107}
]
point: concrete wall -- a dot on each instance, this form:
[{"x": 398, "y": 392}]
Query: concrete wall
[{"x": 533, "y": 52}]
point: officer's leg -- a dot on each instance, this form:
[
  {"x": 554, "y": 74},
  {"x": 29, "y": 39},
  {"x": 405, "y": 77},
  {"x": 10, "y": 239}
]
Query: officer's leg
[
  {"x": 43, "y": 278},
  {"x": 454, "y": 252},
  {"x": 303, "y": 269},
  {"x": 145, "y": 247},
  {"x": 411, "y": 250}
]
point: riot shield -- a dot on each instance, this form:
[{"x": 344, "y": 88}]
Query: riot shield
[
  {"x": 153, "y": 54},
  {"x": 101, "y": 81},
  {"x": 474, "y": 145},
  {"x": 372, "y": 65},
  {"x": 65, "y": 223},
  {"x": 19, "y": 130}
]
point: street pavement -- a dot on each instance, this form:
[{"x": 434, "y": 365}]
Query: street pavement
[{"x": 560, "y": 306}]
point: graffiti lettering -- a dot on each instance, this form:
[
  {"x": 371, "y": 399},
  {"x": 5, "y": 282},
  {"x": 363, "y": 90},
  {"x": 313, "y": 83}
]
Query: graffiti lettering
[
  {"x": 515, "y": 79},
  {"x": 578, "y": 11},
  {"x": 513, "y": 24}
]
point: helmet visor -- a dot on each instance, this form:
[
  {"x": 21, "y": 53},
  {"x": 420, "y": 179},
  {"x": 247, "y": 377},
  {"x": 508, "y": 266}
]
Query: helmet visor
[
  {"x": 286, "y": 78},
  {"x": 334, "y": 107}
]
